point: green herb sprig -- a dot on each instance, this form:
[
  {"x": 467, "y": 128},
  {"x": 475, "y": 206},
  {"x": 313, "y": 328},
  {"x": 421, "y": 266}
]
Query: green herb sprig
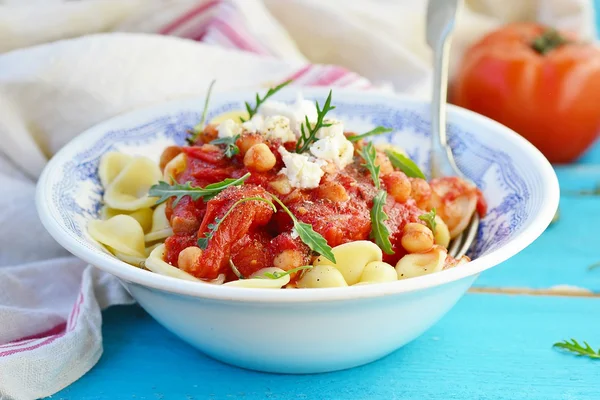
[
  {"x": 405, "y": 164},
  {"x": 574, "y": 347},
  {"x": 308, "y": 131},
  {"x": 259, "y": 101},
  {"x": 429, "y": 219},
  {"x": 369, "y": 154},
  {"x": 373, "y": 132},
  {"x": 164, "y": 191},
  {"x": 277, "y": 274},
  {"x": 231, "y": 148},
  {"x": 199, "y": 127},
  {"x": 380, "y": 232}
]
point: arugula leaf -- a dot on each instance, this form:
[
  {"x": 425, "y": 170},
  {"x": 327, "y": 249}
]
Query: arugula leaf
[
  {"x": 307, "y": 138},
  {"x": 574, "y": 347},
  {"x": 405, "y": 164},
  {"x": 277, "y": 274},
  {"x": 312, "y": 239},
  {"x": 429, "y": 218},
  {"x": 373, "y": 132},
  {"x": 231, "y": 148},
  {"x": 253, "y": 110},
  {"x": 380, "y": 232},
  {"x": 593, "y": 266},
  {"x": 199, "y": 127},
  {"x": 164, "y": 191},
  {"x": 212, "y": 228},
  {"x": 370, "y": 156}
]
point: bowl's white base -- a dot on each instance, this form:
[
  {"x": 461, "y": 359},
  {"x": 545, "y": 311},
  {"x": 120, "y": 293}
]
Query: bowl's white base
[{"x": 304, "y": 337}]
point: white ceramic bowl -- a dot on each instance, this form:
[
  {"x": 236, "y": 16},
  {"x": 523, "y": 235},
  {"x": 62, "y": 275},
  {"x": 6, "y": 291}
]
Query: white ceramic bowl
[{"x": 307, "y": 330}]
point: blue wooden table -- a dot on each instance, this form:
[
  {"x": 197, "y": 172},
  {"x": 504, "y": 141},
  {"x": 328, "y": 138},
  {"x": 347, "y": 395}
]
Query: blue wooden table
[{"x": 495, "y": 344}]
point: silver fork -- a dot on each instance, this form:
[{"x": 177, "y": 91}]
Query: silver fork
[{"x": 441, "y": 16}]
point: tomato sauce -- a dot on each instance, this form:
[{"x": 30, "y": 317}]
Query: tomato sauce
[{"x": 252, "y": 236}]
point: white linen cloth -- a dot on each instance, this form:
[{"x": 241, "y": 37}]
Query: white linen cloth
[{"x": 50, "y": 302}]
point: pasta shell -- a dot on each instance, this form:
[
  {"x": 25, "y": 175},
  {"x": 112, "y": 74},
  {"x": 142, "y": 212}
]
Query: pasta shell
[
  {"x": 122, "y": 233},
  {"x": 442, "y": 234},
  {"x": 143, "y": 216},
  {"x": 132, "y": 260},
  {"x": 174, "y": 167},
  {"x": 160, "y": 225},
  {"x": 129, "y": 190},
  {"x": 234, "y": 115},
  {"x": 259, "y": 281},
  {"x": 111, "y": 164},
  {"x": 352, "y": 258},
  {"x": 378, "y": 271},
  {"x": 322, "y": 276},
  {"x": 418, "y": 264}
]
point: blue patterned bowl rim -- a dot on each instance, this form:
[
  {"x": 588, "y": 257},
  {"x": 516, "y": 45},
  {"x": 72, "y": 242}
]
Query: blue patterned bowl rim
[{"x": 518, "y": 182}]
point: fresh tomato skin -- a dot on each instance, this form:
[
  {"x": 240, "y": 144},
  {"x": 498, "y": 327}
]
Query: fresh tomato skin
[{"x": 551, "y": 99}]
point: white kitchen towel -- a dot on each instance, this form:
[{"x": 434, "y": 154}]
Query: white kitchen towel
[{"x": 50, "y": 320}]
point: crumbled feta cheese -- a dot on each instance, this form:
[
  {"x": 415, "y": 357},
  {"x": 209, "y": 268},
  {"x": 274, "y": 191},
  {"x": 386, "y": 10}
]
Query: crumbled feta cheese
[
  {"x": 332, "y": 144},
  {"x": 275, "y": 127},
  {"x": 295, "y": 112},
  {"x": 335, "y": 128},
  {"x": 302, "y": 171},
  {"x": 278, "y": 127},
  {"x": 255, "y": 124},
  {"x": 228, "y": 128},
  {"x": 336, "y": 149}
]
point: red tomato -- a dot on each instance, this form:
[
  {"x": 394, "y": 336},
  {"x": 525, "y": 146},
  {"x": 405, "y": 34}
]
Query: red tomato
[{"x": 543, "y": 84}]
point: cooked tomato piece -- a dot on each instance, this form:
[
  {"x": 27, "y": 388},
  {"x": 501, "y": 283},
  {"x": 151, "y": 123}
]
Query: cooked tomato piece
[
  {"x": 186, "y": 217},
  {"x": 244, "y": 218},
  {"x": 208, "y": 153},
  {"x": 174, "y": 245},
  {"x": 251, "y": 253}
]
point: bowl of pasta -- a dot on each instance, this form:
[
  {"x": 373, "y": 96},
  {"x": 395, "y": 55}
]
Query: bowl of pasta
[{"x": 304, "y": 217}]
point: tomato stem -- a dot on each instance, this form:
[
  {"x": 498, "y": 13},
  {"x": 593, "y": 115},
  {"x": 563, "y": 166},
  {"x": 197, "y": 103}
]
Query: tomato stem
[{"x": 548, "y": 41}]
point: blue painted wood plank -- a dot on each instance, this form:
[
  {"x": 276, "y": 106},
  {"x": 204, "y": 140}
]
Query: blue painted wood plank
[
  {"x": 488, "y": 347},
  {"x": 564, "y": 252}
]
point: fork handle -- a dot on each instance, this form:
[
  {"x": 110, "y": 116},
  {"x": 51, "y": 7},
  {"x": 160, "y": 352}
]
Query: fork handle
[{"x": 440, "y": 151}]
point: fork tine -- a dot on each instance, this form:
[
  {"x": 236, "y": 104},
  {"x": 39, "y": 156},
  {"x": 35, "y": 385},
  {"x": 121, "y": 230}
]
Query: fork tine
[
  {"x": 470, "y": 237},
  {"x": 455, "y": 244}
]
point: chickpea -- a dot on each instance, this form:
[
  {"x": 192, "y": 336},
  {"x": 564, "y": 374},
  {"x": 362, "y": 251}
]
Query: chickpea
[
  {"x": 398, "y": 186},
  {"x": 417, "y": 238},
  {"x": 209, "y": 134},
  {"x": 248, "y": 140},
  {"x": 259, "y": 158},
  {"x": 281, "y": 185},
  {"x": 189, "y": 258},
  {"x": 333, "y": 191},
  {"x": 421, "y": 192},
  {"x": 288, "y": 259},
  {"x": 385, "y": 165}
]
